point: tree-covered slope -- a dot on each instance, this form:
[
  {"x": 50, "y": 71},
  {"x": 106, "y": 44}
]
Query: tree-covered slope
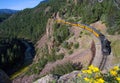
[
  {"x": 6, "y": 13},
  {"x": 31, "y": 23}
]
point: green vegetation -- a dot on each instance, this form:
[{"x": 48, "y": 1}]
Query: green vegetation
[
  {"x": 63, "y": 69},
  {"x": 4, "y": 17},
  {"x": 70, "y": 52},
  {"x": 65, "y": 44},
  {"x": 66, "y": 68},
  {"x": 61, "y": 33},
  {"x": 92, "y": 11},
  {"x": 94, "y": 75},
  {"x": 116, "y": 48},
  {"x": 11, "y": 54},
  {"x": 76, "y": 45},
  {"x": 43, "y": 60},
  {"x": 30, "y": 23}
]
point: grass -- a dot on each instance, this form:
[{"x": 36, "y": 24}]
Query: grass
[
  {"x": 16, "y": 74},
  {"x": 116, "y": 48},
  {"x": 63, "y": 69}
]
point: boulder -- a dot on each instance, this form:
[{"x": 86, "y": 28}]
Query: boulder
[{"x": 47, "y": 79}]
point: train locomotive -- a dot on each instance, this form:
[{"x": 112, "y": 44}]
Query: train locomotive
[
  {"x": 105, "y": 43},
  {"x": 106, "y": 48}
]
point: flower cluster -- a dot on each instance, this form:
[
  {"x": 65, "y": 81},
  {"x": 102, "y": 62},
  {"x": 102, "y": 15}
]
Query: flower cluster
[{"x": 94, "y": 75}]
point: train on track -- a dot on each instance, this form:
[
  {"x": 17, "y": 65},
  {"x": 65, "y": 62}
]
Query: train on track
[{"x": 105, "y": 43}]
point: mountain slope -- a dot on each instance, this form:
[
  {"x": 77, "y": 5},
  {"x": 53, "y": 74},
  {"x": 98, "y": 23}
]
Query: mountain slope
[
  {"x": 30, "y": 23},
  {"x": 6, "y": 13}
]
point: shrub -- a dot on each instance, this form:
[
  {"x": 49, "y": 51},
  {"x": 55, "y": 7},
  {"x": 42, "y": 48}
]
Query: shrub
[
  {"x": 76, "y": 45},
  {"x": 63, "y": 69},
  {"x": 61, "y": 34},
  {"x": 61, "y": 56},
  {"x": 70, "y": 52},
  {"x": 65, "y": 44},
  {"x": 57, "y": 49}
]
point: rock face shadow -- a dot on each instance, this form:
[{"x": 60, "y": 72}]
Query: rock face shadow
[{"x": 15, "y": 54}]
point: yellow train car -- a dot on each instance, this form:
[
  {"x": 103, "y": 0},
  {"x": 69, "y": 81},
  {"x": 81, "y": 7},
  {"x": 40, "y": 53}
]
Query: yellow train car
[
  {"x": 95, "y": 33},
  {"x": 87, "y": 28}
]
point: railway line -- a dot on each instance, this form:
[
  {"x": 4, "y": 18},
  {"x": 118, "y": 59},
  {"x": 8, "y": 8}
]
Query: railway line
[
  {"x": 105, "y": 48},
  {"x": 103, "y": 62}
]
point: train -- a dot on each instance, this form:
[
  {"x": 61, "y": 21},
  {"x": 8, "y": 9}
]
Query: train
[{"x": 105, "y": 43}]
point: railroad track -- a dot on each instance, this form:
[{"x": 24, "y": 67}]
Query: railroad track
[{"x": 103, "y": 62}]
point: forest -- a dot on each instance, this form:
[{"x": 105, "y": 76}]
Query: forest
[{"x": 30, "y": 24}]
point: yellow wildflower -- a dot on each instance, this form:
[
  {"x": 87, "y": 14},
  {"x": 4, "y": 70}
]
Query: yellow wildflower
[
  {"x": 91, "y": 67},
  {"x": 97, "y": 76},
  {"x": 79, "y": 75},
  {"x": 112, "y": 72},
  {"x": 96, "y": 69},
  {"x": 116, "y": 68},
  {"x": 87, "y": 79},
  {"x": 100, "y": 80},
  {"x": 89, "y": 71},
  {"x": 118, "y": 79},
  {"x": 84, "y": 71}
]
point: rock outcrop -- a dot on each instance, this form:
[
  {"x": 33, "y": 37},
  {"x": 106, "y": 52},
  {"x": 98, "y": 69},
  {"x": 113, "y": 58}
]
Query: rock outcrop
[
  {"x": 24, "y": 79},
  {"x": 67, "y": 78},
  {"x": 47, "y": 79}
]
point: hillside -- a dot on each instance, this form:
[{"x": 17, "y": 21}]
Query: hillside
[
  {"x": 61, "y": 48},
  {"x": 37, "y": 17},
  {"x": 6, "y": 13}
]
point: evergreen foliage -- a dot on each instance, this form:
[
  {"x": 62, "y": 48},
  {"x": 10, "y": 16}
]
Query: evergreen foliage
[
  {"x": 11, "y": 54},
  {"x": 61, "y": 33},
  {"x": 30, "y": 23}
]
